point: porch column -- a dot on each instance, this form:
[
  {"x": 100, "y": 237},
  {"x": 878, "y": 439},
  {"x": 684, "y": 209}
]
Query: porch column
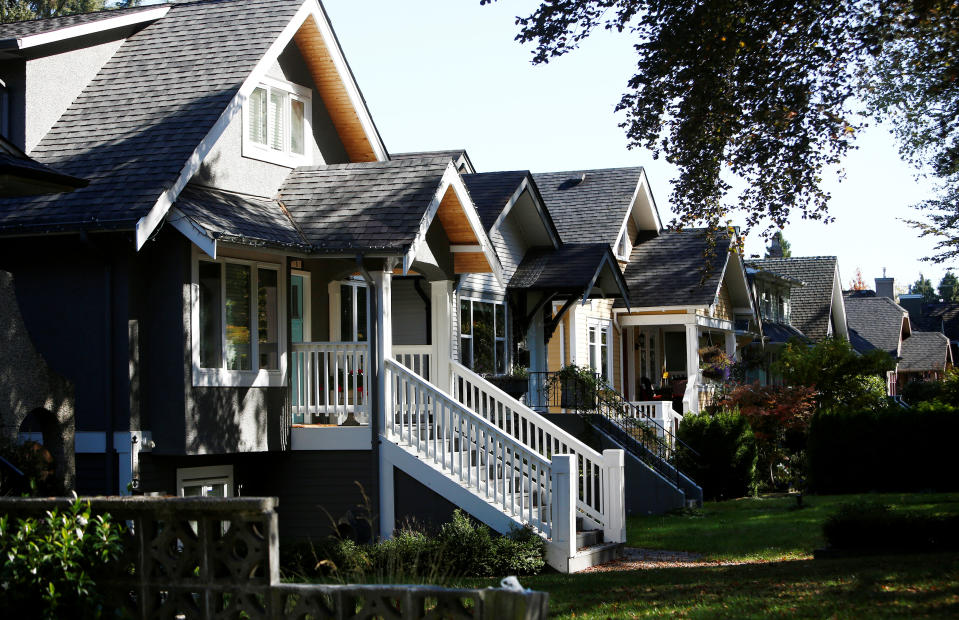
[
  {"x": 441, "y": 304},
  {"x": 630, "y": 388},
  {"x": 691, "y": 397},
  {"x": 383, "y": 285},
  {"x": 731, "y": 345}
]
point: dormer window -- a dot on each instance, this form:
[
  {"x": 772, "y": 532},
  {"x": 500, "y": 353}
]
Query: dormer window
[{"x": 277, "y": 124}]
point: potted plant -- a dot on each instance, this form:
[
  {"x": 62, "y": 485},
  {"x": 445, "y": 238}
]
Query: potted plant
[
  {"x": 516, "y": 383},
  {"x": 714, "y": 363},
  {"x": 578, "y": 387}
]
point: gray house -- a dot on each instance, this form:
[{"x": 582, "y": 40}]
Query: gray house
[{"x": 252, "y": 296}]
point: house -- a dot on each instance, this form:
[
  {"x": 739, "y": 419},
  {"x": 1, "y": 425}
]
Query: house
[
  {"x": 644, "y": 344},
  {"x": 772, "y": 293},
  {"x": 876, "y": 321},
  {"x": 22, "y": 176},
  {"x": 252, "y": 296}
]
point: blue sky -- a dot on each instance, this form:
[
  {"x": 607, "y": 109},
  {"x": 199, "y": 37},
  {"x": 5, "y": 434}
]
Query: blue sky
[{"x": 447, "y": 74}]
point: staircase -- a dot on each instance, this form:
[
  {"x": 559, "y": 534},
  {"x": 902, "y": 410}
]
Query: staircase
[{"x": 505, "y": 465}]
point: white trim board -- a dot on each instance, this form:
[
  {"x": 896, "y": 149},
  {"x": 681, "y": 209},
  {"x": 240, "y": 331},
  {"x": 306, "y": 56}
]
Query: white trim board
[{"x": 103, "y": 25}]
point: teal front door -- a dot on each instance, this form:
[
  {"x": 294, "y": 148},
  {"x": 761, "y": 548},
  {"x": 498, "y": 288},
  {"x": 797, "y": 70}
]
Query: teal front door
[{"x": 297, "y": 291}]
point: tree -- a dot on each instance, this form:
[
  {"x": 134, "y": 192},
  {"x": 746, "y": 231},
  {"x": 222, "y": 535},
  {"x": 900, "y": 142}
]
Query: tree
[
  {"x": 949, "y": 287},
  {"x": 923, "y": 287},
  {"x": 857, "y": 283},
  {"x": 770, "y": 90},
  {"x": 18, "y": 10},
  {"x": 843, "y": 378}
]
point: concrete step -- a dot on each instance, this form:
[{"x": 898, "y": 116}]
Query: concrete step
[
  {"x": 594, "y": 556},
  {"x": 588, "y": 538}
]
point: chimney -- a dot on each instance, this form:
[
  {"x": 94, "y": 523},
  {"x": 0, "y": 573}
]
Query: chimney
[
  {"x": 775, "y": 249},
  {"x": 886, "y": 287}
]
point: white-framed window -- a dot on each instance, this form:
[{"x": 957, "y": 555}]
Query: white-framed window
[
  {"x": 210, "y": 481},
  {"x": 277, "y": 123},
  {"x": 238, "y": 333},
  {"x": 483, "y": 336},
  {"x": 599, "y": 341}
]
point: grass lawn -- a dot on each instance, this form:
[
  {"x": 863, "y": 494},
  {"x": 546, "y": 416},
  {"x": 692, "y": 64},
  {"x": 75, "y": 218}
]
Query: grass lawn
[{"x": 778, "y": 577}]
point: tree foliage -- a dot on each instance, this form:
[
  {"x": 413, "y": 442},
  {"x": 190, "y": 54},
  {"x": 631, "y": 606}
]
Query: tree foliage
[
  {"x": 923, "y": 286},
  {"x": 772, "y": 90},
  {"x": 857, "y": 283},
  {"x": 19, "y": 10},
  {"x": 843, "y": 379},
  {"x": 949, "y": 287}
]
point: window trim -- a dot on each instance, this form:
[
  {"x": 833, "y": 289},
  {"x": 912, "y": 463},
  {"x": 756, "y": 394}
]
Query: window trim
[
  {"x": 504, "y": 338},
  {"x": 263, "y": 152},
  {"x": 601, "y": 325},
  {"x": 336, "y": 308},
  {"x": 221, "y": 377},
  {"x": 212, "y": 474}
]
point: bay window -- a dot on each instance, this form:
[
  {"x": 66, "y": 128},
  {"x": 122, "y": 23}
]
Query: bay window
[
  {"x": 238, "y": 335},
  {"x": 277, "y": 121},
  {"x": 483, "y": 336}
]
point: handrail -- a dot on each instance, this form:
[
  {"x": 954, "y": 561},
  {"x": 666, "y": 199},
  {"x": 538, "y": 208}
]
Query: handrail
[
  {"x": 502, "y": 470},
  {"x": 535, "y": 431},
  {"x": 416, "y": 357}
]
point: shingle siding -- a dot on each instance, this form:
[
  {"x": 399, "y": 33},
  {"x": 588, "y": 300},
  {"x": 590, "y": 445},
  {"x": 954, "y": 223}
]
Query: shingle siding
[{"x": 811, "y": 303}]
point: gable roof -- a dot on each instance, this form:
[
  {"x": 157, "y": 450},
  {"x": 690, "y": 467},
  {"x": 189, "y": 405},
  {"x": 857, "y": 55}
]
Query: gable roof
[
  {"x": 568, "y": 268},
  {"x": 589, "y": 205},
  {"x": 491, "y": 191},
  {"x": 459, "y": 156},
  {"x": 138, "y": 121},
  {"x": 879, "y": 323},
  {"x": 924, "y": 351},
  {"x": 666, "y": 270},
  {"x": 812, "y": 304},
  {"x": 10, "y": 33},
  {"x": 941, "y": 316}
]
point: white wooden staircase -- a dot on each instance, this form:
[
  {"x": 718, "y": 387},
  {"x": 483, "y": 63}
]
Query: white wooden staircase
[{"x": 504, "y": 464}]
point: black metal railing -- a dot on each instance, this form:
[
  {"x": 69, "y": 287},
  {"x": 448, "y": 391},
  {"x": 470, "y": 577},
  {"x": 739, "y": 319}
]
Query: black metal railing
[{"x": 605, "y": 408}]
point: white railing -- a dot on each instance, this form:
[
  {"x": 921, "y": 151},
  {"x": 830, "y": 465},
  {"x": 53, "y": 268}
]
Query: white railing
[
  {"x": 469, "y": 449},
  {"x": 660, "y": 411},
  {"x": 593, "y": 501},
  {"x": 330, "y": 383},
  {"x": 418, "y": 358}
]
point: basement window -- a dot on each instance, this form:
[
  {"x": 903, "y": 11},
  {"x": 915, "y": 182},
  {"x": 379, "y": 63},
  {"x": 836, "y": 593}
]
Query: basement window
[{"x": 277, "y": 121}]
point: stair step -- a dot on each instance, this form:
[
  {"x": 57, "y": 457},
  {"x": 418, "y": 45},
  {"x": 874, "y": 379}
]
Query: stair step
[
  {"x": 594, "y": 556},
  {"x": 588, "y": 538}
]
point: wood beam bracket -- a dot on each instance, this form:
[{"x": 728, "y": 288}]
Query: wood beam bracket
[{"x": 553, "y": 322}]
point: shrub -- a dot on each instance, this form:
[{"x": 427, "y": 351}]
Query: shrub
[
  {"x": 944, "y": 392},
  {"x": 52, "y": 566},
  {"x": 727, "y": 453},
  {"x": 461, "y": 548},
  {"x": 889, "y": 449},
  {"x": 867, "y": 525},
  {"x": 35, "y": 463}
]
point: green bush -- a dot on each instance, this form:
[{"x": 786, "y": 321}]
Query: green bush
[
  {"x": 461, "y": 548},
  {"x": 889, "y": 449},
  {"x": 945, "y": 391},
  {"x": 867, "y": 525},
  {"x": 726, "y": 448},
  {"x": 52, "y": 565}
]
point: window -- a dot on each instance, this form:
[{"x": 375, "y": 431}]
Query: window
[
  {"x": 277, "y": 124},
  {"x": 354, "y": 312},
  {"x": 483, "y": 336},
  {"x": 238, "y": 335},
  {"x": 598, "y": 341},
  {"x": 214, "y": 481},
  {"x": 766, "y": 305}
]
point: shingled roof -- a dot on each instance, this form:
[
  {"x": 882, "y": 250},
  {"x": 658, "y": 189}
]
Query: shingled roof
[
  {"x": 52, "y": 24},
  {"x": 135, "y": 125},
  {"x": 568, "y": 268},
  {"x": 20, "y": 175},
  {"x": 372, "y": 205},
  {"x": 589, "y": 205},
  {"x": 490, "y": 192},
  {"x": 878, "y": 323},
  {"x": 924, "y": 351},
  {"x": 780, "y": 333},
  {"x": 666, "y": 270},
  {"x": 240, "y": 218},
  {"x": 811, "y": 305}
]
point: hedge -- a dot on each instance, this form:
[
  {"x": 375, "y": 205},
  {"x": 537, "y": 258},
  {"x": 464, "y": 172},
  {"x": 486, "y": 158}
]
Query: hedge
[
  {"x": 891, "y": 449},
  {"x": 726, "y": 447},
  {"x": 868, "y": 526}
]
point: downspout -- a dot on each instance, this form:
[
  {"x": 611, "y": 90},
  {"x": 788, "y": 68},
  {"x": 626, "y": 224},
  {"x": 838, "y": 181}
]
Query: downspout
[
  {"x": 373, "y": 386},
  {"x": 109, "y": 448}
]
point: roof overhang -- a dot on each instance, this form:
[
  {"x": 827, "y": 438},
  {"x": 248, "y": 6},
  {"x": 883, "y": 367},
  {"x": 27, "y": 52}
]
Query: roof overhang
[
  {"x": 528, "y": 185},
  {"x": 837, "y": 308},
  {"x": 71, "y": 32},
  {"x": 311, "y": 26},
  {"x": 734, "y": 277},
  {"x": 471, "y": 248},
  {"x": 642, "y": 209}
]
